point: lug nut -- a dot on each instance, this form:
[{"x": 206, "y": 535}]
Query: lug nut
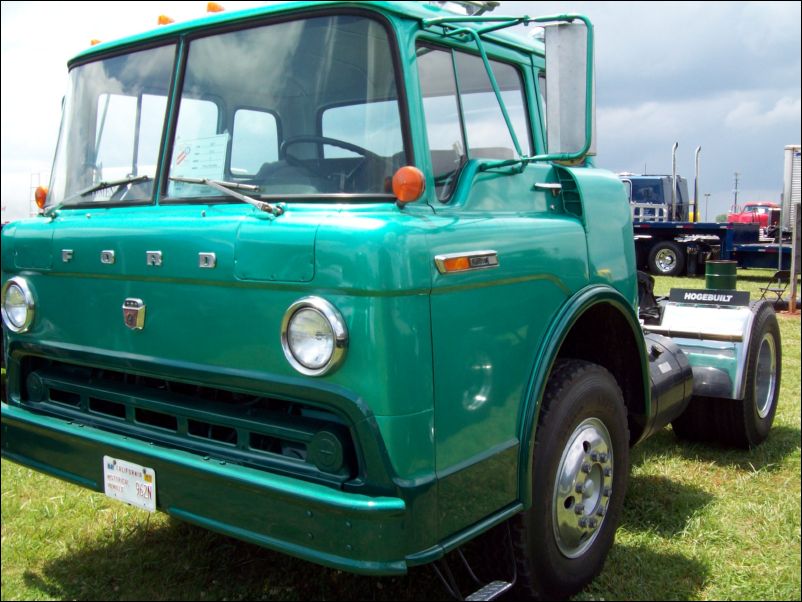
[
  {"x": 586, "y": 468},
  {"x": 579, "y": 508},
  {"x": 608, "y": 471},
  {"x": 592, "y": 523},
  {"x": 580, "y": 487},
  {"x": 583, "y": 523},
  {"x": 608, "y": 491},
  {"x": 603, "y": 458},
  {"x": 600, "y": 511},
  {"x": 594, "y": 455}
]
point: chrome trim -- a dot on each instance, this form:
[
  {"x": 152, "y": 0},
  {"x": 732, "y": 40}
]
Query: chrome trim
[
  {"x": 153, "y": 258},
  {"x": 207, "y": 260},
  {"x": 67, "y": 255},
  {"x": 479, "y": 260},
  {"x": 134, "y": 313},
  {"x": 107, "y": 257},
  {"x": 712, "y": 322},
  {"x": 719, "y": 328},
  {"x": 666, "y": 260},
  {"x": 693, "y": 334},
  {"x": 674, "y": 182},
  {"x": 335, "y": 320},
  {"x": 553, "y": 187},
  {"x": 30, "y": 304},
  {"x": 766, "y": 375},
  {"x": 582, "y": 487}
]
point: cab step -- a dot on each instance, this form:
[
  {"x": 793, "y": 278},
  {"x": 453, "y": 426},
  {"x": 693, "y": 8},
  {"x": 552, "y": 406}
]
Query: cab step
[
  {"x": 491, "y": 591},
  {"x": 487, "y": 591}
]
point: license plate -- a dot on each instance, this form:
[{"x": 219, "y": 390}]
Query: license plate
[{"x": 129, "y": 482}]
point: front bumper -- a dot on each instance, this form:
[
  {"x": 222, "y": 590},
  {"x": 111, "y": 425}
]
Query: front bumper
[{"x": 348, "y": 531}]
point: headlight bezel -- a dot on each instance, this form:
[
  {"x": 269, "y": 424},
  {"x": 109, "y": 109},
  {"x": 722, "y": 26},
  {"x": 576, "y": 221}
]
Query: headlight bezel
[
  {"x": 30, "y": 304},
  {"x": 338, "y": 329}
]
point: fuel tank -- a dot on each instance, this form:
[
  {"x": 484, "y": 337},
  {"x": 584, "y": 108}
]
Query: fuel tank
[{"x": 671, "y": 380}]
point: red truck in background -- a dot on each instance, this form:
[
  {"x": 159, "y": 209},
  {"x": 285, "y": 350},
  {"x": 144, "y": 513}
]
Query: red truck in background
[{"x": 764, "y": 213}]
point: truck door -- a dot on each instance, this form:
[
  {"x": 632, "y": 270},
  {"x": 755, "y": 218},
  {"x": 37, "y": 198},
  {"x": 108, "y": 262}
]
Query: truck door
[{"x": 523, "y": 261}]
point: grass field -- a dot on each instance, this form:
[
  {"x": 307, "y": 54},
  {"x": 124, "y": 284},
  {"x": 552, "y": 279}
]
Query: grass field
[{"x": 699, "y": 523}]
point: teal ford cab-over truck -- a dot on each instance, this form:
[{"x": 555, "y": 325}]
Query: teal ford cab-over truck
[{"x": 340, "y": 279}]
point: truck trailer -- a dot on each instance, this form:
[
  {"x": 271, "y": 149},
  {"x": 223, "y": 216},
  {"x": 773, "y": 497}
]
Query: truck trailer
[{"x": 670, "y": 241}]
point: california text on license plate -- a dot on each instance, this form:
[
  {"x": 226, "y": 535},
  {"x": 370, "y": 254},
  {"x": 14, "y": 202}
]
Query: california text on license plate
[{"x": 129, "y": 482}]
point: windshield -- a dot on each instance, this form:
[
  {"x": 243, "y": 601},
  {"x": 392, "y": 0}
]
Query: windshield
[
  {"x": 647, "y": 191},
  {"x": 306, "y": 107},
  {"x": 113, "y": 119}
]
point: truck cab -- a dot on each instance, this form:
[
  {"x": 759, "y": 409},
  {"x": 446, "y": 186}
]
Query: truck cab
[
  {"x": 651, "y": 199},
  {"x": 339, "y": 280},
  {"x": 764, "y": 213}
]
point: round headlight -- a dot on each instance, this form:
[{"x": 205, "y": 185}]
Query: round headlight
[
  {"x": 17, "y": 305},
  {"x": 313, "y": 336}
]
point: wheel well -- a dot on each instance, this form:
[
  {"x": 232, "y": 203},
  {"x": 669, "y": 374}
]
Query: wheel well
[{"x": 602, "y": 335}]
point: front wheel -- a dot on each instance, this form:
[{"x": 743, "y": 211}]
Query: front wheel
[{"x": 579, "y": 479}]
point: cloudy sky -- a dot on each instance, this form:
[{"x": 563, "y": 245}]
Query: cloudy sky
[{"x": 721, "y": 75}]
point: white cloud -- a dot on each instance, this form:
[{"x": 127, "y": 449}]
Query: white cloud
[
  {"x": 639, "y": 140},
  {"x": 38, "y": 38},
  {"x": 753, "y": 115}
]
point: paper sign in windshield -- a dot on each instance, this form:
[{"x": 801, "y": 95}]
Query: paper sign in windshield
[{"x": 198, "y": 158}]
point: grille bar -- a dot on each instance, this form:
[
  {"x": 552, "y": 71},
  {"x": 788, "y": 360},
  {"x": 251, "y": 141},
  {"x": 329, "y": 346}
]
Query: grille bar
[{"x": 257, "y": 431}]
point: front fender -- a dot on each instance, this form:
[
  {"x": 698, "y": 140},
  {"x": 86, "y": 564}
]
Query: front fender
[{"x": 548, "y": 352}]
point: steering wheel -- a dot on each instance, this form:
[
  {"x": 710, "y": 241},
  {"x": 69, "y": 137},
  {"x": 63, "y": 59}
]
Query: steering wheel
[{"x": 320, "y": 141}]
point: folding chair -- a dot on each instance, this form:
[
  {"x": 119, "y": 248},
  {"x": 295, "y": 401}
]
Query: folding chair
[{"x": 779, "y": 282}]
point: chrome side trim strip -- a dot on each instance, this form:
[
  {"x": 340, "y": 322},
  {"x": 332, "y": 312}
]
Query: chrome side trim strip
[{"x": 477, "y": 260}]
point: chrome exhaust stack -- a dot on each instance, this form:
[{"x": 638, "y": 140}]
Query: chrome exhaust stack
[
  {"x": 673, "y": 213},
  {"x": 696, "y": 185}
]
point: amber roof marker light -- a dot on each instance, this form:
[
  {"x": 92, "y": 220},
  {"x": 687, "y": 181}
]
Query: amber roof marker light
[
  {"x": 40, "y": 196},
  {"x": 408, "y": 184}
]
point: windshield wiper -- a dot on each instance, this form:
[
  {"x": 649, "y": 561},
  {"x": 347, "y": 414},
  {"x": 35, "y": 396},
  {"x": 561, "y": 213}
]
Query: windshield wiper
[
  {"x": 108, "y": 184},
  {"x": 50, "y": 211},
  {"x": 229, "y": 189}
]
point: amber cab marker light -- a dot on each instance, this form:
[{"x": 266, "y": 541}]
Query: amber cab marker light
[
  {"x": 165, "y": 20},
  {"x": 214, "y": 7},
  {"x": 94, "y": 42},
  {"x": 40, "y": 196},
  {"x": 408, "y": 184},
  {"x": 457, "y": 264}
]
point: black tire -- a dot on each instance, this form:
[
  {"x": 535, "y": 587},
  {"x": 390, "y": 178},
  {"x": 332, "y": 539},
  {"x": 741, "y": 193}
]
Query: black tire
[
  {"x": 695, "y": 424},
  {"x": 746, "y": 422},
  {"x": 667, "y": 258},
  {"x": 583, "y": 411}
]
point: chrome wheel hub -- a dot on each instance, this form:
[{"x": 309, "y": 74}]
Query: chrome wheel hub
[
  {"x": 665, "y": 259},
  {"x": 765, "y": 375},
  {"x": 583, "y": 486}
]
